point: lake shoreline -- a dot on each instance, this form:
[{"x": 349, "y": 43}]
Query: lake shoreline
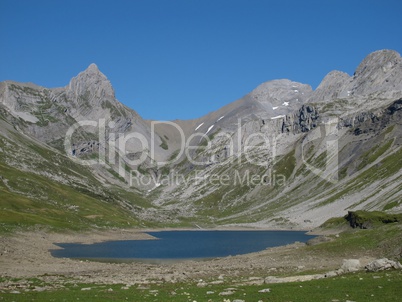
[
  {"x": 180, "y": 245},
  {"x": 26, "y": 255}
]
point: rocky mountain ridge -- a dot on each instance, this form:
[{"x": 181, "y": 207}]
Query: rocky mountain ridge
[{"x": 282, "y": 156}]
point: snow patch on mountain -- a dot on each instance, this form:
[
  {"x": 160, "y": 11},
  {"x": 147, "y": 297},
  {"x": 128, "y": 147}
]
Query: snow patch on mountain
[{"x": 198, "y": 127}]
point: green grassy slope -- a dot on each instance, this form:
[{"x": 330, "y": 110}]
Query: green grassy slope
[{"x": 41, "y": 187}]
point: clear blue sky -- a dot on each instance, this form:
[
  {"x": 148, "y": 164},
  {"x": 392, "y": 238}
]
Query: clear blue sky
[{"x": 172, "y": 59}]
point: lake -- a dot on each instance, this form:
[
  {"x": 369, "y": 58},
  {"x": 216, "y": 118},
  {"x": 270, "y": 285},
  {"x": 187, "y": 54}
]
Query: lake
[{"x": 181, "y": 245}]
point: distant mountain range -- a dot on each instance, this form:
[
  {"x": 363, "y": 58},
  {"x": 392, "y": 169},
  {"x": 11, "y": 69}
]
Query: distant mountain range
[{"x": 283, "y": 156}]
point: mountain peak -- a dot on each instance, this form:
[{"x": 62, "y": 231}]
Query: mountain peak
[
  {"x": 91, "y": 79},
  {"x": 279, "y": 90},
  {"x": 93, "y": 67},
  {"x": 333, "y": 79},
  {"x": 331, "y": 86},
  {"x": 379, "y": 71},
  {"x": 385, "y": 59}
]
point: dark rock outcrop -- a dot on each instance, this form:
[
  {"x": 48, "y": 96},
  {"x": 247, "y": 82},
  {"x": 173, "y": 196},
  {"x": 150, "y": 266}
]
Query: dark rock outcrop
[
  {"x": 396, "y": 106},
  {"x": 304, "y": 120},
  {"x": 367, "y": 220}
]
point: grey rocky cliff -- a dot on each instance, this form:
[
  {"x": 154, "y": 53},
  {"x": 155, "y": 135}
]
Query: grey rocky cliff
[
  {"x": 373, "y": 120},
  {"x": 304, "y": 120}
]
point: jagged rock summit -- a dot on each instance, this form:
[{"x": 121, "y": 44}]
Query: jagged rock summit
[{"x": 91, "y": 82}]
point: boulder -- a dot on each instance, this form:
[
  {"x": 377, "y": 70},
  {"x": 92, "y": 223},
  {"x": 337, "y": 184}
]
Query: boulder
[
  {"x": 382, "y": 264},
  {"x": 351, "y": 265}
]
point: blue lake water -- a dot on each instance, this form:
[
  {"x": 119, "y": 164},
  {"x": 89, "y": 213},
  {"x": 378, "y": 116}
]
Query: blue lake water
[{"x": 180, "y": 245}]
